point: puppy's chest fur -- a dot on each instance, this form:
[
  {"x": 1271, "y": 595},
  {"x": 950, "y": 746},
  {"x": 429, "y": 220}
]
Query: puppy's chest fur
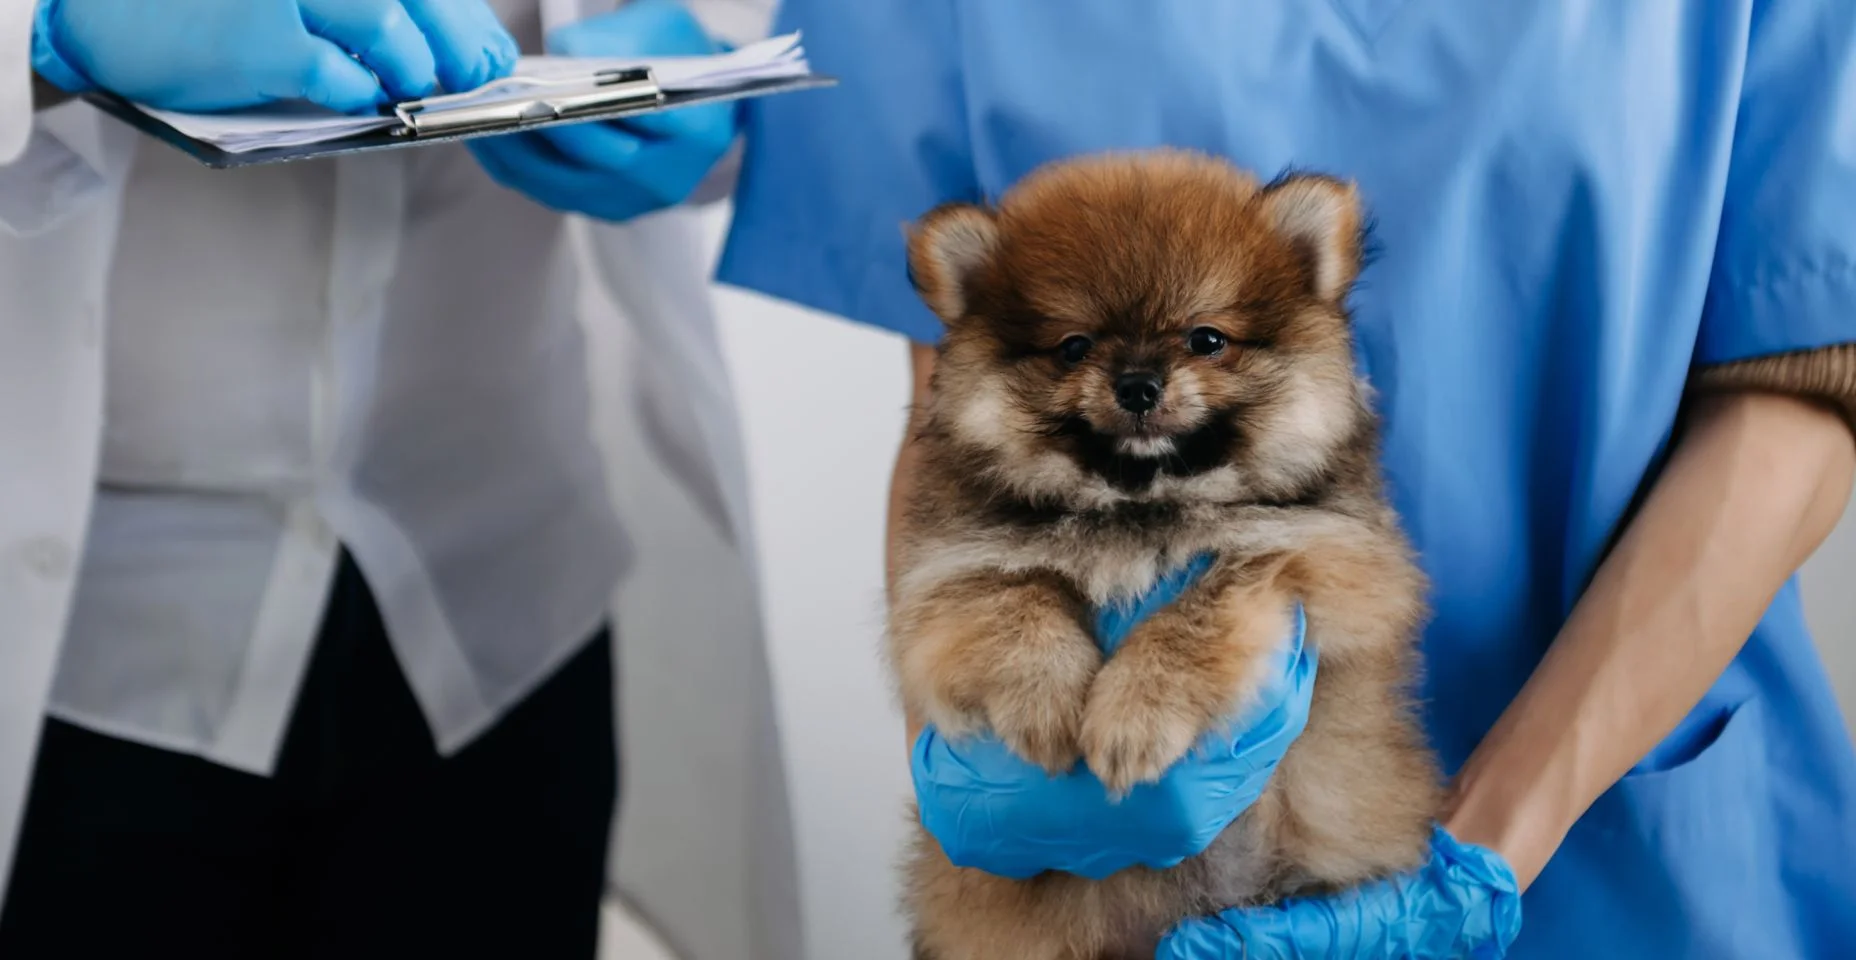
[{"x": 1109, "y": 553}]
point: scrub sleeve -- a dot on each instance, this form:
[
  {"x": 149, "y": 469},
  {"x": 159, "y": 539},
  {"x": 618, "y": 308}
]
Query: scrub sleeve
[
  {"x": 832, "y": 180},
  {"x": 1785, "y": 260},
  {"x": 1781, "y": 307}
]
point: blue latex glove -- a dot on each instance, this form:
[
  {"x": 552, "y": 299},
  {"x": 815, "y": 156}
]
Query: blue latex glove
[
  {"x": 207, "y": 55},
  {"x": 1464, "y": 903},
  {"x": 626, "y": 168},
  {"x": 993, "y": 811}
]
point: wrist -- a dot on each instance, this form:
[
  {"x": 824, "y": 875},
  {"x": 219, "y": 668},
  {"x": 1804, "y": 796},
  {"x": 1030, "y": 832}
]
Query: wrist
[
  {"x": 48, "y": 62},
  {"x": 1521, "y": 818}
]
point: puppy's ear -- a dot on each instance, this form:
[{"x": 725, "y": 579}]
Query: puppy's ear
[
  {"x": 1321, "y": 218},
  {"x": 947, "y": 248}
]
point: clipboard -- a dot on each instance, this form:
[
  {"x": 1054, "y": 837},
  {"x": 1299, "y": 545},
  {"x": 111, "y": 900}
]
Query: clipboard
[{"x": 605, "y": 95}]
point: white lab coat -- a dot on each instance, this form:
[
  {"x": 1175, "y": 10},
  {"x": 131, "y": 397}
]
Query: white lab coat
[{"x": 61, "y": 177}]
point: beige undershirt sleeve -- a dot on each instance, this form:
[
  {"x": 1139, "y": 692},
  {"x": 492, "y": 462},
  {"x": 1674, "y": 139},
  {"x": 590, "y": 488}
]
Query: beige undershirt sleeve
[{"x": 1827, "y": 374}]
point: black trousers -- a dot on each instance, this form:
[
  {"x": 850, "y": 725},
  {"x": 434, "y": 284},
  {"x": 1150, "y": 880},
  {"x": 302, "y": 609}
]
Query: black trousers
[{"x": 366, "y": 843}]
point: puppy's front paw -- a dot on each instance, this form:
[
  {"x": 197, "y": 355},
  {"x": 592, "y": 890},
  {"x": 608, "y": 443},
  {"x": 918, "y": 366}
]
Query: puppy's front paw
[
  {"x": 1136, "y": 725},
  {"x": 1011, "y": 657},
  {"x": 1036, "y": 708}
]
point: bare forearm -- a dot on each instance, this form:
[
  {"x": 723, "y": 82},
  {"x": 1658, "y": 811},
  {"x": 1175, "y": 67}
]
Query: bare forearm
[{"x": 1750, "y": 491}]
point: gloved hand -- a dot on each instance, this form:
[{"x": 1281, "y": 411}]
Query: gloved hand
[
  {"x": 626, "y": 168},
  {"x": 992, "y": 811},
  {"x": 1464, "y": 903},
  {"x": 204, "y": 55}
]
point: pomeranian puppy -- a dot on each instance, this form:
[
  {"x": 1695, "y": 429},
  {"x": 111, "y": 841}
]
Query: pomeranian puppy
[{"x": 1148, "y": 357}]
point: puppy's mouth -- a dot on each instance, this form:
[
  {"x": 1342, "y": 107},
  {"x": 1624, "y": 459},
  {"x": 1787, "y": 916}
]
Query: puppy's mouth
[
  {"x": 1144, "y": 434},
  {"x": 1147, "y": 445},
  {"x": 1139, "y": 449},
  {"x": 1143, "y": 437},
  {"x": 1156, "y": 433}
]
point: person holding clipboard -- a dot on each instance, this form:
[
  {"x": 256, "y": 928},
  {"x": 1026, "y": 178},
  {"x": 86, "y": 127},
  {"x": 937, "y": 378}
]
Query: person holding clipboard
[{"x": 305, "y": 545}]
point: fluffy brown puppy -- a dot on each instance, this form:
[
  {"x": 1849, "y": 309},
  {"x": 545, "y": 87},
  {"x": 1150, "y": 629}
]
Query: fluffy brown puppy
[{"x": 1148, "y": 357}]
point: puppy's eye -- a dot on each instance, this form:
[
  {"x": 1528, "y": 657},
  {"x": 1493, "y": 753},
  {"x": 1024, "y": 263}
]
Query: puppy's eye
[
  {"x": 1074, "y": 349},
  {"x": 1205, "y": 341}
]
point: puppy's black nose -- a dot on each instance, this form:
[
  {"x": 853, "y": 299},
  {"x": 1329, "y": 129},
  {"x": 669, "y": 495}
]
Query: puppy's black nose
[{"x": 1137, "y": 392}]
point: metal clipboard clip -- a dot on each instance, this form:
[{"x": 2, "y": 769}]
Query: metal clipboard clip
[{"x": 548, "y": 100}]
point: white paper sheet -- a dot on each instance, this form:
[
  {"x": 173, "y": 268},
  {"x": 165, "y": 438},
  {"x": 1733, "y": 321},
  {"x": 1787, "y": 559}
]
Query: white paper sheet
[{"x": 295, "y": 125}]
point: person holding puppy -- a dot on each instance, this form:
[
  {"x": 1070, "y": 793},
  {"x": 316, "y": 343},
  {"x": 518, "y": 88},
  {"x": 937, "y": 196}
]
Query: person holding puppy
[
  {"x": 1613, "y": 334},
  {"x": 306, "y": 549}
]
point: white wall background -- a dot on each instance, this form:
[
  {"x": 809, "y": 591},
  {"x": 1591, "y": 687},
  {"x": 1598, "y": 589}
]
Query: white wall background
[{"x": 822, "y": 402}]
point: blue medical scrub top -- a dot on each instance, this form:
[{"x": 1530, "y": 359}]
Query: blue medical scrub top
[{"x": 1575, "y": 202}]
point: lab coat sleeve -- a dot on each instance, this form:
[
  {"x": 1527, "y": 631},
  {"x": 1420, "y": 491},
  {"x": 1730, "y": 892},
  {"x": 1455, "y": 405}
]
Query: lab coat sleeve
[
  {"x": 15, "y": 77},
  {"x": 833, "y": 176},
  {"x": 1784, "y": 275}
]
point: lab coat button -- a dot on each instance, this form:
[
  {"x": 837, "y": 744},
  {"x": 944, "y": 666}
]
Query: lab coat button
[{"x": 49, "y": 557}]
